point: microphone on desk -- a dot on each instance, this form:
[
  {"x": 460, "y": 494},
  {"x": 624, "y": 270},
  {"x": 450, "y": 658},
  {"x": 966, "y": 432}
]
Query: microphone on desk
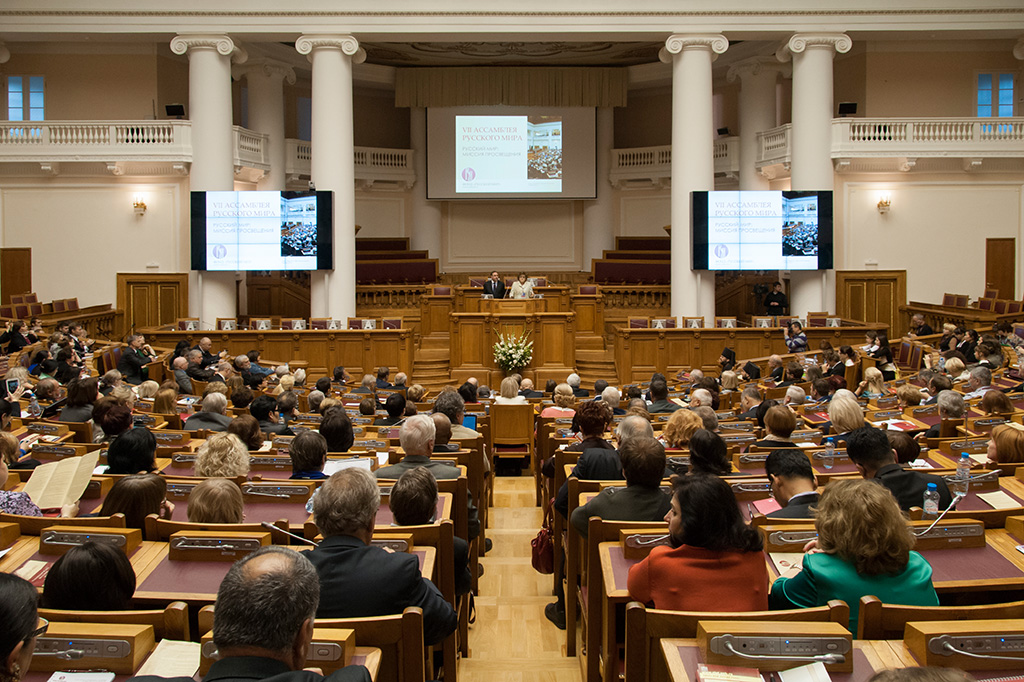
[
  {"x": 952, "y": 505},
  {"x": 827, "y": 659},
  {"x": 944, "y": 645},
  {"x": 269, "y": 526},
  {"x": 63, "y": 655}
]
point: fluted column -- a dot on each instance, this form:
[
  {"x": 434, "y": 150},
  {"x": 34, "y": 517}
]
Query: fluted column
[
  {"x": 333, "y": 293},
  {"x": 599, "y": 214},
  {"x": 691, "y": 55},
  {"x": 209, "y": 104},
  {"x": 426, "y": 215},
  {"x": 812, "y": 55},
  {"x": 757, "y": 77},
  {"x": 266, "y": 78}
]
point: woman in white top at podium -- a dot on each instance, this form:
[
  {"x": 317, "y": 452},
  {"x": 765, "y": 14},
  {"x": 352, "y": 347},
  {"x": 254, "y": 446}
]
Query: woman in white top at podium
[{"x": 522, "y": 287}]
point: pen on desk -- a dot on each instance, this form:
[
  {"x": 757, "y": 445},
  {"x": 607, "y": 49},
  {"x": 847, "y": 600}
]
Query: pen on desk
[{"x": 750, "y": 511}]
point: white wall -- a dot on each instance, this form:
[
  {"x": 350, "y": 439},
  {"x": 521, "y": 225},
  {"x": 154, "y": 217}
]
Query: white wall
[
  {"x": 643, "y": 213},
  {"x": 84, "y": 232},
  {"x": 382, "y": 214}
]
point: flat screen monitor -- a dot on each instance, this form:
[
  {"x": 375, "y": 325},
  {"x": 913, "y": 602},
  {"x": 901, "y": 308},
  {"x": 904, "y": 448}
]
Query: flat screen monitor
[
  {"x": 511, "y": 153},
  {"x": 762, "y": 230},
  {"x": 262, "y": 230}
]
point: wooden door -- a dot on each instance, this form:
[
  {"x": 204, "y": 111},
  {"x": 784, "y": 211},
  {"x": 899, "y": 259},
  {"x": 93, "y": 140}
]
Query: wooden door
[
  {"x": 873, "y": 296},
  {"x": 152, "y": 300},
  {"x": 1001, "y": 266},
  {"x": 15, "y": 273}
]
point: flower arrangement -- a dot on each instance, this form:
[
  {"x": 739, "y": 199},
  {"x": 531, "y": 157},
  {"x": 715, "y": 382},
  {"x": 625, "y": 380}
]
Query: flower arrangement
[{"x": 513, "y": 352}]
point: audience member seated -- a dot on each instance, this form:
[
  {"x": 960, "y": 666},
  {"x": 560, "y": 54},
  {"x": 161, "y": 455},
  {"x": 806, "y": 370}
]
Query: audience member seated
[
  {"x": 712, "y": 552},
  {"x": 395, "y": 406},
  {"x": 996, "y": 403},
  {"x": 709, "y": 454},
  {"x": 309, "y": 455},
  {"x": 443, "y": 434},
  {"x": 574, "y": 383},
  {"x": 415, "y": 393},
  {"x": 82, "y": 393},
  {"x": 263, "y": 622},
  {"x": 707, "y": 417},
  {"x": 10, "y": 453},
  {"x": 780, "y": 422},
  {"x": 795, "y": 396},
  {"x": 845, "y": 416},
  {"x": 509, "y": 394},
  {"x": 367, "y": 407},
  {"x": 526, "y": 389},
  {"x": 248, "y": 431},
  {"x": 336, "y": 428},
  {"x": 483, "y": 393},
  {"x": 222, "y": 455},
  {"x": 660, "y": 404},
  {"x": 216, "y": 500},
  {"x": 16, "y": 335},
  {"x": 264, "y": 409},
  {"x": 794, "y": 373},
  {"x": 450, "y": 404},
  {"x": 564, "y": 401},
  {"x": 750, "y": 398},
  {"x": 873, "y": 385},
  {"x": 241, "y": 398},
  {"x": 213, "y": 416},
  {"x": 137, "y": 496},
  {"x": 110, "y": 419},
  {"x": 222, "y": 372},
  {"x": 133, "y": 452},
  {"x": 382, "y": 377},
  {"x": 989, "y": 355},
  {"x": 909, "y": 395},
  {"x": 907, "y": 449},
  {"x": 165, "y": 401},
  {"x": 134, "y": 359},
  {"x": 417, "y": 439},
  {"x": 94, "y": 576},
  {"x": 863, "y": 547},
  {"x": 949, "y": 405},
  {"x": 468, "y": 392},
  {"x": 1006, "y": 446},
  {"x": 195, "y": 370},
  {"x": 776, "y": 369},
  {"x": 701, "y": 397},
  {"x": 47, "y": 390},
  {"x": 979, "y": 383},
  {"x": 314, "y": 399},
  {"x": 730, "y": 381},
  {"x": 680, "y": 428},
  {"x": 413, "y": 502},
  {"x": 285, "y": 383},
  {"x": 20, "y": 626},
  {"x": 358, "y": 580},
  {"x": 792, "y": 483},
  {"x": 870, "y": 451}
]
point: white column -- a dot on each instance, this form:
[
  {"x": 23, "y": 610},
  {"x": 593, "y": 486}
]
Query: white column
[
  {"x": 812, "y": 56},
  {"x": 426, "y": 215},
  {"x": 693, "y": 293},
  {"x": 599, "y": 214},
  {"x": 209, "y": 103},
  {"x": 757, "y": 77},
  {"x": 265, "y": 78},
  {"x": 333, "y": 165}
]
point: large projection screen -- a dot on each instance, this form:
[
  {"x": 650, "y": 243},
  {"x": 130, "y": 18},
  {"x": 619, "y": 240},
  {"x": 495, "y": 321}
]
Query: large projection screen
[{"x": 511, "y": 153}]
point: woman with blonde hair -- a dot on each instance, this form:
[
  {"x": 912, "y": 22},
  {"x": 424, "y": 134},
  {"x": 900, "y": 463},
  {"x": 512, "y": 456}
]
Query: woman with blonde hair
[
  {"x": 286, "y": 383},
  {"x": 730, "y": 381},
  {"x": 845, "y": 414},
  {"x": 166, "y": 401},
  {"x": 956, "y": 369},
  {"x": 216, "y": 500},
  {"x": 864, "y": 546},
  {"x": 565, "y": 402},
  {"x": 509, "y": 393},
  {"x": 680, "y": 428},
  {"x": 148, "y": 389},
  {"x": 873, "y": 385},
  {"x": 909, "y": 395},
  {"x": 223, "y": 455},
  {"x": 1006, "y": 446}
]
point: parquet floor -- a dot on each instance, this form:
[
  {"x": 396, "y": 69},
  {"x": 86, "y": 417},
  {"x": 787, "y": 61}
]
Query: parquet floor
[{"x": 512, "y": 641}]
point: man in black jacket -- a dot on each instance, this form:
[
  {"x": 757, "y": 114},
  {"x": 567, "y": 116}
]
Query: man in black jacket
[
  {"x": 793, "y": 484},
  {"x": 870, "y": 450},
  {"x": 494, "y": 286},
  {"x": 264, "y": 409},
  {"x": 263, "y": 622},
  {"x": 358, "y": 580}
]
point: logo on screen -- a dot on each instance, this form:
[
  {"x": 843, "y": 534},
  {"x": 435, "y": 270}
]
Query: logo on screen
[
  {"x": 468, "y": 174},
  {"x": 220, "y": 251},
  {"x": 721, "y": 251}
]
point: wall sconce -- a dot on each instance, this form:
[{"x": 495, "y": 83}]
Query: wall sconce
[
  {"x": 884, "y": 202},
  {"x": 139, "y": 205}
]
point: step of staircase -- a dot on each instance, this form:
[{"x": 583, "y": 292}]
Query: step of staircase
[{"x": 594, "y": 364}]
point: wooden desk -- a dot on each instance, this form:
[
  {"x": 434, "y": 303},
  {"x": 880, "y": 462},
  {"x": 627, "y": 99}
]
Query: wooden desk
[
  {"x": 470, "y": 299},
  {"x": 869, "y": 657},
  {"x": 27, "y": 549},
  {"x": 473, "y": 336}
]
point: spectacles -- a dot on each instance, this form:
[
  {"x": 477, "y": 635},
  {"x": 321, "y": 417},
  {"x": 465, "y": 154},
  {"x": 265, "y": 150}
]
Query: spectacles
[{"x": 41, "y": 630}]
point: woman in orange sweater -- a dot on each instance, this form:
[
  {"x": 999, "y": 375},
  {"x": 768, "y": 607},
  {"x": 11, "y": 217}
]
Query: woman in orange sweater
[{"x": 715, "y": 562}]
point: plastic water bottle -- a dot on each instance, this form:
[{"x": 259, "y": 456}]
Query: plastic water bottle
[
  {"x": 931, "y": 502},
  {"x": 309, "y": 502},
  {"x": 34, "y": 410},
  {"x": 962, "y": 482},
  {"x": 829, "y": 459}
]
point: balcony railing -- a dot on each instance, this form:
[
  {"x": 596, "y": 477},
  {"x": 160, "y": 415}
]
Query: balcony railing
[
  {"x": 376, "y": 167},
  {"x": 652, "y": 166}
]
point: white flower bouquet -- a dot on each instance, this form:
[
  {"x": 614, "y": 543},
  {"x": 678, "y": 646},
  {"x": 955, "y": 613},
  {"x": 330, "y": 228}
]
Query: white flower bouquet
[{"x": 513, "y": 352}]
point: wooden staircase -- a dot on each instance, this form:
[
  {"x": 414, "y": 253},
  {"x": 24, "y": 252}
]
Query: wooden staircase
[
  {"x": 592, "y": 364},
  {"x": 431, "y": 368}
]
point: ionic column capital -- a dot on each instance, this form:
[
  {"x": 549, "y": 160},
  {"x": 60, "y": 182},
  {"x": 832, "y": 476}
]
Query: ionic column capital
[
  {"x": 223, "y": 45},
  {"x": 799, "y": 42},
  {"x": 1018, "y": 49},
  {"x": 716, "y": 43},
  {"x": 756, "y": 66},
  {"x": 271, "y": 68},
  {"x": 346, "y": 43}
]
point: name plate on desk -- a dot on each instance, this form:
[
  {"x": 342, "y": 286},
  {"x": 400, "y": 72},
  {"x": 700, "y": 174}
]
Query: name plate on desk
[
  {"x": 202, "y": 545},
  {"x": 278, "y": 492},
  {"x": 118, "y": 648},
  {"x": 777, "y": 645},
  {"x": 171, "y": 437},
  {"x": 54, "y": 451},
  {"x": 57, "y": 540},
  {"x": 48, "y": 429},
  {"x": 331, "y": 650},
  {"x": 638, "y": 545},
  {"x": 940, "y": 643}
]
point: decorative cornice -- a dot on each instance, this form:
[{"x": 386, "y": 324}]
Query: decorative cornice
[
  {"x": 221, "y": 43},
  {"x": 799, "y": 42},
  {"x": 678, "y": 42},
  {"x": 1018, "y": 49},
  {"x": 346, "y": 43},
  {"x": 5, "y": 54},
  {"x": 991, "y": 11},
  {"x": 755, "y": 66},
  {"x": 271, "y": 68}
]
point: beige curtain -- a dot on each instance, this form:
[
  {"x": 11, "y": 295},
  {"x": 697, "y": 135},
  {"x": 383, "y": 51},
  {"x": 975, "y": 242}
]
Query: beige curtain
[{"x": 511, "y": 86}]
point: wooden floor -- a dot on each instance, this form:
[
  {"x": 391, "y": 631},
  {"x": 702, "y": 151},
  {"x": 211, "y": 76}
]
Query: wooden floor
[{"x": 512, "y": 641}]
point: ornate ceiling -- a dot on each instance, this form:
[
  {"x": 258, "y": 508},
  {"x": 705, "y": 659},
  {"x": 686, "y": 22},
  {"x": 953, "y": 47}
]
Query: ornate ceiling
[{"x": 474, "y": 53}]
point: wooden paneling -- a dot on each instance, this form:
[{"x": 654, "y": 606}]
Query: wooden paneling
[
  {"x": 473, "y": 336},
  {"x": 15, "y": 272},
  {"x": 152, "y": 299},
  {"x": 434, "y": 312},
  {"x": 1001, "y": 266},
  {"x": 873, "y": 296}
]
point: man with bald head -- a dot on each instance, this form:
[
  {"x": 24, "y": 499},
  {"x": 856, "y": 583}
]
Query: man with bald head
[
  {"x": 180, "y": 368},
  {"x": 263, "y": 622},
  {"x": 776, "y": 370},
  {"x": 443, "y": 433},
  {"x": 204, "y": 346},
  {"x": 526, "y": 389}
]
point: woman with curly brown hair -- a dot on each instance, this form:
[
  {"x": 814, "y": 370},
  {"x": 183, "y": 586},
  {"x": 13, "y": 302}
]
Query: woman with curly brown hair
[
  {"x": 680, "y": 428},
  {"x": 864, "y": 547}
]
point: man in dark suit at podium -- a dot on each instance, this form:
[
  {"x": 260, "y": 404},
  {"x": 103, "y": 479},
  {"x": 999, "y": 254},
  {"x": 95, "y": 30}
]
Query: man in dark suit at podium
[{"x": 494, "y": 286}]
